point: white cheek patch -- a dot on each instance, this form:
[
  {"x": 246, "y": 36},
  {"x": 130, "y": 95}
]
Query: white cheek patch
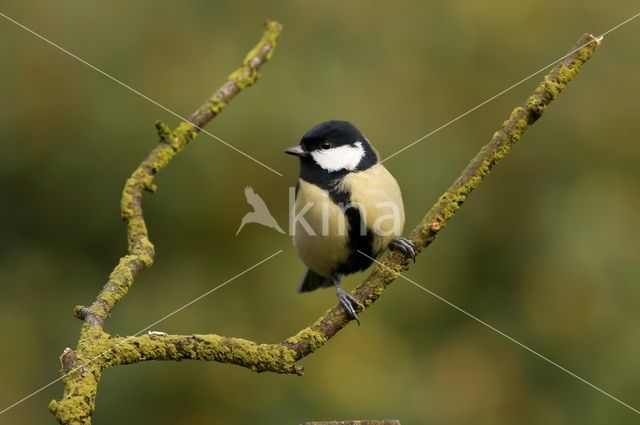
[{"x": 341, "y": 158}]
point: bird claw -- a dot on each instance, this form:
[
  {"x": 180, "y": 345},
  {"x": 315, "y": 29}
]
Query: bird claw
[
  {"x": 349, "y": 302},
  {"x": 405, "y": 246}
]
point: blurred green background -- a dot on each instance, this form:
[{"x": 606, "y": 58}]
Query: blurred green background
[{"x": 546, "y": 250}]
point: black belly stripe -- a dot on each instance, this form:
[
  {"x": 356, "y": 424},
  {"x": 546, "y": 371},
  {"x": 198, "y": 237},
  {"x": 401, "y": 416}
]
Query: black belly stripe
[{"x": 358, "y": 240}]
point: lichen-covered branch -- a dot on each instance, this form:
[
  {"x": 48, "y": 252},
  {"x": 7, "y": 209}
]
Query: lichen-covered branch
[
  {"x": 257, "y": 357},
  {"x": 141, "y": 251},
  {"x": 95, "y": 349}
]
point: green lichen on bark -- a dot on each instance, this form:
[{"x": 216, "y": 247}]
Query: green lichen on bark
[
  {"x": 238, "y": 80},
  {"x": 81, "y": 383},
  {"x": 206, "y": 347},
  {"x": 502, "y": 141},
  {"x": 307, "y": 340},
  {"x": 96, "y": 350}
]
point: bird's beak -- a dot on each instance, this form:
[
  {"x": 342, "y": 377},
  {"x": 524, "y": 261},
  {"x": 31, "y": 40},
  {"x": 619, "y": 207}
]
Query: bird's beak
[{"x": 296, "y": 150}]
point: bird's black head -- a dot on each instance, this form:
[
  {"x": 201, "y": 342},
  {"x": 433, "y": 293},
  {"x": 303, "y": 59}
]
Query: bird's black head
[{"x": 331, "y": 150}]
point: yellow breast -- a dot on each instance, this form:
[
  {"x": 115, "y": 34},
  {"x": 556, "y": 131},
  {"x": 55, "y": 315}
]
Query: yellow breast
[
  {"x": 320, "y": 232},
  {"x": 377, "y": 194},
  {"x": 321, "y": 228}
]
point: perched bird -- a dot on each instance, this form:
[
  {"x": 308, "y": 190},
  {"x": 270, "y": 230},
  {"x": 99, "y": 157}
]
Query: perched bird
[
  {"x": 348, "y": 208},
  {"x": 260, "y": 213}
]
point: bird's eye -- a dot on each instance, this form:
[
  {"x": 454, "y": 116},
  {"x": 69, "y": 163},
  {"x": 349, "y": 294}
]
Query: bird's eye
[{"x": 325, "y": 145}]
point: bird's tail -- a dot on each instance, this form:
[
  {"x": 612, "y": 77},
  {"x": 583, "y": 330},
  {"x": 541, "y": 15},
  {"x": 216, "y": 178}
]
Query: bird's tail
[{"x": 312, "y": 280}]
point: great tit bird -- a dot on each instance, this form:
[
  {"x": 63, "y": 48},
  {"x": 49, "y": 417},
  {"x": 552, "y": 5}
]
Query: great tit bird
[{"x": 348, "y": 208}]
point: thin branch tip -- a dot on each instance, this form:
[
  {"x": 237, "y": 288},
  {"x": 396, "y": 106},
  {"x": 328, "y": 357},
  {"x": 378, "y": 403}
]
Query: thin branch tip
[
  {"x": 451, "y": 200},
  {"x": 97, "y": 350},
  {"x": 79, "y": 312},
  {"x": 164, "y": 132}
]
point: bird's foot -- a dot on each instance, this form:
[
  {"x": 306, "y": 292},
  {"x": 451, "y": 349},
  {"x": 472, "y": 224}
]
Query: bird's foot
[
  {"x": 349, "y": 302},
  {"x": 405, "y": 246}
]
